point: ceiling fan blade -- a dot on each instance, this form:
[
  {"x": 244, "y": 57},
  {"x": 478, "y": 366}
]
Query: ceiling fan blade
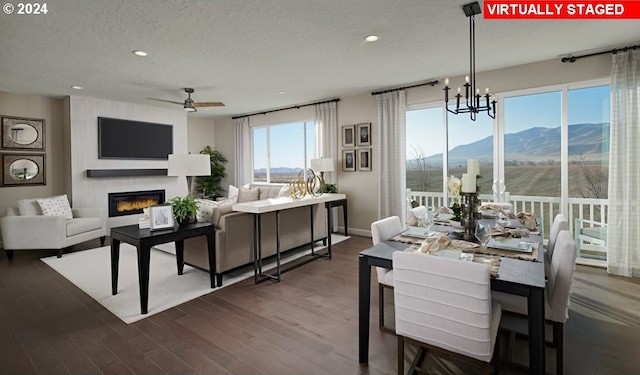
[
  {"x": 208, "y": 104},
  {"x": 167, "y": 101}
]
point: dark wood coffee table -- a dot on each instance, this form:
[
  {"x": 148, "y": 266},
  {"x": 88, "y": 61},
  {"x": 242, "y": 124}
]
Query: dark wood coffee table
[{"x": 144, "y": 240}]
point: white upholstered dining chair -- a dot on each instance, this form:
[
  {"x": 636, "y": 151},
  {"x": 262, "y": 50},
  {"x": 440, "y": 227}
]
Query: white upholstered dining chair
[
  {"x": 382, "y": 230},
  {"x": 560, "y": 223},
  {"x": 444, "y": 305},
  {"x": 557, "y": 293}
]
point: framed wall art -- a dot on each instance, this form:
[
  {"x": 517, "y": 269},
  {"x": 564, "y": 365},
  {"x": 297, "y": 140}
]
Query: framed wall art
[
  {"x": 22, "y": 134},
  {"x": 23, "y": 169},
  {"x": 349, "y": 160},
  {"x": 363, "y": 132},
  {"x": 348, "y": 136},
  {"x": 364, "y": 159},
  {"x": 160, "y": 216}
]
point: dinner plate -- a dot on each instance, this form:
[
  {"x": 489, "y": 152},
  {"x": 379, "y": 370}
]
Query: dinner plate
[
  {"x": 418, "y": 232},
  {"x": 512, "y": 244}
]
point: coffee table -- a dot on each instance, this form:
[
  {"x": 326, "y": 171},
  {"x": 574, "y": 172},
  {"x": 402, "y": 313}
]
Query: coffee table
[{"x": 144, "y": 240}]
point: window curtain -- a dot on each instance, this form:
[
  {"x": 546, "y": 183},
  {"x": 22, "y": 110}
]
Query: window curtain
[
  {"x": 326, "y": 124},
  {"x": 390, "y": 154},
  {"x": 243, "y": 170},
  {"x": 623, "y": 231}
]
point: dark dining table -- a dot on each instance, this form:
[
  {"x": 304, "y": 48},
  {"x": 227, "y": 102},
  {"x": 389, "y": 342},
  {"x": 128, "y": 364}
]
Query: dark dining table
[{"x": 515, "y": 276}]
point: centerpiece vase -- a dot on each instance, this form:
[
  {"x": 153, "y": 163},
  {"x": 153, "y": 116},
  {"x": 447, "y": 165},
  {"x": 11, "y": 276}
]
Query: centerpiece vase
[{"x": 469, "y": 214}]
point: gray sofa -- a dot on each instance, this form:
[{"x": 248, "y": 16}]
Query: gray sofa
[{"x": 234, "y": 234}]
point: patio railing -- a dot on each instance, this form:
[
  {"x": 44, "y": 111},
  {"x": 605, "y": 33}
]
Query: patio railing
[{"x": 591, "y": 210}]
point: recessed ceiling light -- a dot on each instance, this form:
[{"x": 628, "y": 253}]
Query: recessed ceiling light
[
  {"x": 282, "y": 92},
  {"x": 77, "y": 87},
  {"x": 140, "y": 53},
  {"x": 371, "y": 38}
]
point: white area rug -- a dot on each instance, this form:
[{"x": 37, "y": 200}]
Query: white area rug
[{"x": 90, "y": 270}]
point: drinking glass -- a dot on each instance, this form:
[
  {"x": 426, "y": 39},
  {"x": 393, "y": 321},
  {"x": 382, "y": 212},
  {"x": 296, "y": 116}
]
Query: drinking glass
[{"x": 483, "y": 235}]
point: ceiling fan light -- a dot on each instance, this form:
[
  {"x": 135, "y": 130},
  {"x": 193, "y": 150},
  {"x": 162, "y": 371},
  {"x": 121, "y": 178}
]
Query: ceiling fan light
[{"x": 189, "y": 109}]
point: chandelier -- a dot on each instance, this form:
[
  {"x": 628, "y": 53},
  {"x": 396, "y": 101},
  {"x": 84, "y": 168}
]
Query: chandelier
[{"x": 474, "y": 101}]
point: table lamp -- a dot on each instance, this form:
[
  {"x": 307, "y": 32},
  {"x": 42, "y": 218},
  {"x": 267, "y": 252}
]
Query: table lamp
[
  {"x": 322, "y": 165},
  {"x": 189, "y": 165}
]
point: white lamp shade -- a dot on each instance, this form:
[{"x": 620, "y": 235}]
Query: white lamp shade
[
  {"x": 322, "y": 165},
  {"x": 189, "y": 165}
]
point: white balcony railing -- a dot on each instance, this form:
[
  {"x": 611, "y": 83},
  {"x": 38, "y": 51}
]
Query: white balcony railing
[{"x": 591, "y": 210}]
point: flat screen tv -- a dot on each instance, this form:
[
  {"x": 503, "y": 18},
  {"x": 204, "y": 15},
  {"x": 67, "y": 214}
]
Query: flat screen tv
[{"x": 125, "y": 139}]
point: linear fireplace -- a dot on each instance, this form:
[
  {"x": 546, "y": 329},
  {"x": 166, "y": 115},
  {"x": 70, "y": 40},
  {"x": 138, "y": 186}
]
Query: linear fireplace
[{"x": 132, "y": 202}]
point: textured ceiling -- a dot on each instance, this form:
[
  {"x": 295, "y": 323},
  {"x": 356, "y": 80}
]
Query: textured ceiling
[{"x": 244, "y": 52}]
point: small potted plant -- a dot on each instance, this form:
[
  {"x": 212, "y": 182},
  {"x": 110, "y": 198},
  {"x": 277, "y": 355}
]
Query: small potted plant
[
  {"x": 328, "y": 188},
  {"x": 184, "y": 209}
]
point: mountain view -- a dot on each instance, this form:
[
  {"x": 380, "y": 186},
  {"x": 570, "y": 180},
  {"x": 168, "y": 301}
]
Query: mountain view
[{"x": 532, "y": 145}]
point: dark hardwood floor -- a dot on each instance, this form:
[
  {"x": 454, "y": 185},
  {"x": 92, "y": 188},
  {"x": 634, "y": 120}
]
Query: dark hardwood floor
[{"x": 306, "y": 324}]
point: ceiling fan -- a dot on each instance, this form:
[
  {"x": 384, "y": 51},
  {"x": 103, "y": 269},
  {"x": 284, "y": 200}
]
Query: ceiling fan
[{"x": 189, "y": 105}]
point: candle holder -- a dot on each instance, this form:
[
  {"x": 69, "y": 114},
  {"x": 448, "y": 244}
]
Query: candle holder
[{"x": 469, "y": 214}]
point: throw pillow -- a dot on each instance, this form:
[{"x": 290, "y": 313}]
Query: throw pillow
[
  {"x": 284, "y": 192},
  {"x": 205, "y": 210},
  {"x": 29, "y": 207},
  {"x": 233, "y": 191},
  {"x": 248, "y": 195},
  {"x": 56, "y": 206},
  {"x": 223, "y": 208}
]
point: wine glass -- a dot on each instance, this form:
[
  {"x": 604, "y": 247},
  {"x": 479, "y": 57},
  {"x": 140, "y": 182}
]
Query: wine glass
[{"x": 483, "y": 235}]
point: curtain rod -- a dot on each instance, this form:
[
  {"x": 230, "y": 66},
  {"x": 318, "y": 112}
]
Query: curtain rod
[
  {"x": 435, "y": 82},
  {"x": 284, "y": 109},
  {"x": 572, "y": 59}
]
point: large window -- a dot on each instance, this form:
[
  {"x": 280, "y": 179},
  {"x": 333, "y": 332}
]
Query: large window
[
  {"x": 532, "y": 144},
  {"x": 425, "y": 140},
  {"x": 281, "y": 151},
  {"x": 588, "y": 114}
]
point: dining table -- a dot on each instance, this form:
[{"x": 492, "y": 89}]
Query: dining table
[{"x": 520, "y": 277}]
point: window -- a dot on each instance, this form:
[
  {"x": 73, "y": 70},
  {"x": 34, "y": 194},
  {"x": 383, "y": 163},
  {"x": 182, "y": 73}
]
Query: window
[
  {"x": 425, "y": 137},
  {"x": 588, "y": 113},
  {"x": 281, "y": 151},
  {"x": 532, "y": 144}
]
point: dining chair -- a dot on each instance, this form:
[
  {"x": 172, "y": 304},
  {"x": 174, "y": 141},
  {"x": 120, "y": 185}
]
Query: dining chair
[
  {"x": 382, "y": 230},
  {"x": 557, "y": 293},
  {"x": 560, "y": 223},
  {"x": 444, "y": 305}
]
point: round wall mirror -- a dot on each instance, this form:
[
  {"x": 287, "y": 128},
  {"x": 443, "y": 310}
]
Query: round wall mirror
[
  {"x": 23, "y": 134},
  {"x": 23, "y": 169}
]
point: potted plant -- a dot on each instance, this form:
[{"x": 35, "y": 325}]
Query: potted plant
[
  {"x": 209, "y": 186},
  {"x": 184, "y": 209},
  {"x": 328, "y": 188}
]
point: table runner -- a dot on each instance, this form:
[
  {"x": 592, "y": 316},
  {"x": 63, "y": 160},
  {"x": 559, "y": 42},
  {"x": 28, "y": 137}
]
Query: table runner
[{"x": 532, "y": 256}]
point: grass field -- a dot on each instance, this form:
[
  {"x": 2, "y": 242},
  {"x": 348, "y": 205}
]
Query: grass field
[{"x": 535, "y": 180}]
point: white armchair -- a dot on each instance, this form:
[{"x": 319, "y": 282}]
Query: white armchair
[{"x": 25, "y": 228}]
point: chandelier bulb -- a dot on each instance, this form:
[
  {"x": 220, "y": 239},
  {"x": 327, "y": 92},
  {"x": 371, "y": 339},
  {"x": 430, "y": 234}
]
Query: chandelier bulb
[
  {"x": 466, "y": 79},
  {"x": 486, "y": 91},
  {"x": 446, "y": 82},
  {"x": 458, "y": 89}
]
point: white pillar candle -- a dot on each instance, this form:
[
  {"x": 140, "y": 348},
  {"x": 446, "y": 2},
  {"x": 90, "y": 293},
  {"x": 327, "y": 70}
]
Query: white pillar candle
[
  {"x": 468, "y": 183},
  {"x": 473, "y": 167}
]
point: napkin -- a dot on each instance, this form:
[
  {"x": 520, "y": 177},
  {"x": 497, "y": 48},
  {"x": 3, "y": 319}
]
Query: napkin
[
  {"x": 434, "y": 243},
  {"x": 527, "y": 219}
]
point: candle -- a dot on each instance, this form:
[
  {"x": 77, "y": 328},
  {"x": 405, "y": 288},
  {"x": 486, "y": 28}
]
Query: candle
[
  {"x": 473, "y": 167},
  {"x": 468, "y": 183}
]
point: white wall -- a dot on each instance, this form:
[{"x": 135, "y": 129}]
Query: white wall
[
  {"x": 199, "y": 134},
  {"x": 361, "y": 187},
  {"x": 83, "y": 149}
]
